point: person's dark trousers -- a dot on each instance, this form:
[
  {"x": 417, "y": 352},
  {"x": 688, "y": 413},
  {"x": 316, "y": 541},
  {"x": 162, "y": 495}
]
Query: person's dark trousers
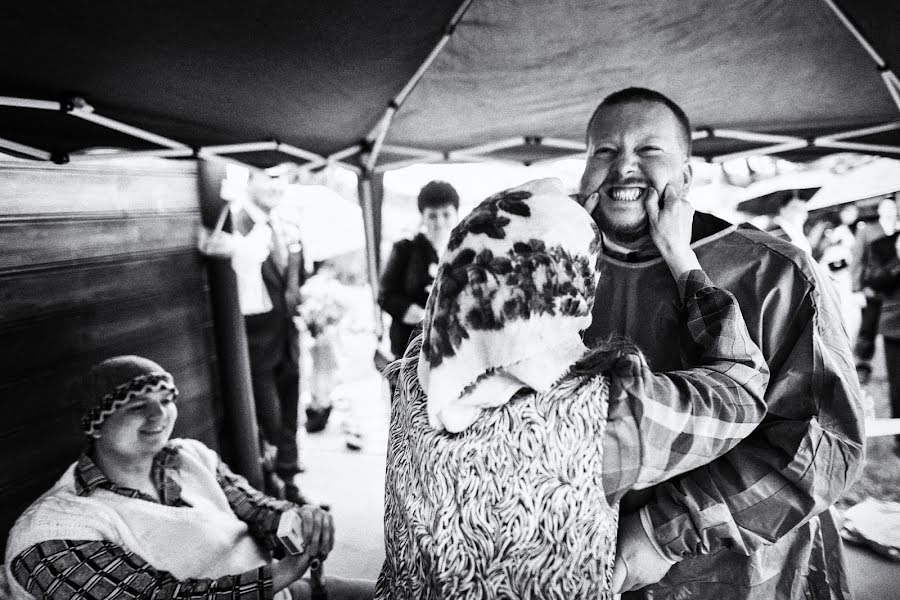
[
  {"x": 274, "y": 372},
  {"x": 892, "y": 364},
  {"x": 864, "y": 348},
  {"x": 277, "y": 393}
]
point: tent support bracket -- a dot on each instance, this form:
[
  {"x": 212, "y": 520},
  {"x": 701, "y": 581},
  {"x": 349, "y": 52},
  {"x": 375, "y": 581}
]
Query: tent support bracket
[
  {"x": 887, "y": 75},
  {"x": 25, "y": 150},
  {"x": 379, "y": 133}
]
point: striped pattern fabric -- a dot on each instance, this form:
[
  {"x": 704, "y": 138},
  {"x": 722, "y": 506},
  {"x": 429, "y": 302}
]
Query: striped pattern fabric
[
  {"x": 137, "y": 386},
  {"x": 513, "y": 507},
  {"x": 260, "y": 512},
  {"x": 67, "y": 569},
  {"x": 95, "y": 570},
  {"x": 687, "y": 418}
]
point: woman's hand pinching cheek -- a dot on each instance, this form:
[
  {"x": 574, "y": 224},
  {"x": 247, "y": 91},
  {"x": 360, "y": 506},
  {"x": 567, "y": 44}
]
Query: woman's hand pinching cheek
[{"x": 671, "y": 222}]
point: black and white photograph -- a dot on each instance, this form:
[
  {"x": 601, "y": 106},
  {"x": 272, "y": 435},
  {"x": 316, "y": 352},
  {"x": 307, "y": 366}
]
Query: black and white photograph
[{"x": 460, "y": 299}]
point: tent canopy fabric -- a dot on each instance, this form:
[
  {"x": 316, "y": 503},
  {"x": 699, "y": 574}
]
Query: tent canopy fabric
[{"x": 319, "y": 75}]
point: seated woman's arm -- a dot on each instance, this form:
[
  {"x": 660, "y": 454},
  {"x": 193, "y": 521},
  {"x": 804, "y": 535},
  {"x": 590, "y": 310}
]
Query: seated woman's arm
[
  {"x": 259, "y": 511},
  {"x": 262, "y": 513},
  {"x": 66, "y": 569},
  {"x": 664, "y": 424}
]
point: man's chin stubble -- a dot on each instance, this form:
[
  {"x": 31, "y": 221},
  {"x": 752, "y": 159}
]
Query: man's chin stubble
[{"x": 621, "y": 234}]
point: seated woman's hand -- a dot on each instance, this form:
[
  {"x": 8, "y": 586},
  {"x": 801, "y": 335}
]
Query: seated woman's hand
[{"x": 317, "y": 526}]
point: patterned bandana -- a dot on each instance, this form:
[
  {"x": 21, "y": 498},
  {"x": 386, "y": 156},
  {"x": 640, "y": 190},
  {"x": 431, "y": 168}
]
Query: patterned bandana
[
  {"x": 513, "y": 292},
  {"x": 113, "y": 382}
]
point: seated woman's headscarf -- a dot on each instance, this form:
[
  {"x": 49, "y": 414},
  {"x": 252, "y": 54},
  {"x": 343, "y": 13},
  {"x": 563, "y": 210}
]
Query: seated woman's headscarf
[
  {"x": 110, "y": 384},
  {"x": 513, "y": 293}
]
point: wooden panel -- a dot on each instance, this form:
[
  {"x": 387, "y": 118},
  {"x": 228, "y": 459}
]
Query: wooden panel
[
  {"x": 95, "y": 261},
  {"x": 126, "y": 187},
  {"x": 39, "y": 242},
  {"x": 31, "y": 293}
]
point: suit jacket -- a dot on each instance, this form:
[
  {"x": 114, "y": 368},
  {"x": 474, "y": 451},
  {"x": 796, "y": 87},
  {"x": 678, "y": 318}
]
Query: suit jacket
[{"x": 272, "y": 337}]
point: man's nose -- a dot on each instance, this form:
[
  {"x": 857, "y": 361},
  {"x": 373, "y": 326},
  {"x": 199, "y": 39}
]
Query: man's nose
[
  {"x": 154, "y": 410},
  {"x": 626, "y": 162}
]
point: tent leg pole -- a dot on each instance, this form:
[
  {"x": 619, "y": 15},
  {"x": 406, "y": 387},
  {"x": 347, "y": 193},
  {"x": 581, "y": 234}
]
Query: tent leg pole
[
  {"x": 368, "y": 203},
  {"x": 234, "y": 372}
]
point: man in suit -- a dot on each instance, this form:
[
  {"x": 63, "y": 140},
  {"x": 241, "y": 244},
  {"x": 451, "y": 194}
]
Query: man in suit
[{"x": 267, "y": 257}]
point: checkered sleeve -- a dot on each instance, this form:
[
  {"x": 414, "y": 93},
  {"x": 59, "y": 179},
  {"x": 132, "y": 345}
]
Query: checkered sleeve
[
  {"x": 260, "y": 512},
  {"x": 102, "y": 570},
  {"x": 663, "y": 424}
]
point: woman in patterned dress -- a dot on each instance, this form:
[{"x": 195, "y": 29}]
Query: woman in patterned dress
[{"x": 510, "y": 442}]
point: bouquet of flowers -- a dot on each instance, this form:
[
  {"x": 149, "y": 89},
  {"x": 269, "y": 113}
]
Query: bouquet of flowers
[{"x": 321, "y": 304}]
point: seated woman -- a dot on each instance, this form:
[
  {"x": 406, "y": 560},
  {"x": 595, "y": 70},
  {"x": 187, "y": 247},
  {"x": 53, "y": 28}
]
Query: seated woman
[
  {"x": 142, "y": 516},
  {"x": 510, "y": 442}
]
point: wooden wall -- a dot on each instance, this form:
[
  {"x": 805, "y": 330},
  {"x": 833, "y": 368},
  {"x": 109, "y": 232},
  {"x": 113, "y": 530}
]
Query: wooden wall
[{"x": 95, "y": 261}]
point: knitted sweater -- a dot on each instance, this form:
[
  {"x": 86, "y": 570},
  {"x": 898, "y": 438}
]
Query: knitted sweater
[{"x": 203, "y": 540}]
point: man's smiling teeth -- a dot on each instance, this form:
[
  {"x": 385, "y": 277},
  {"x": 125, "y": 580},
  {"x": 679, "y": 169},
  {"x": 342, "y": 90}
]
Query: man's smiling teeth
[{"x": 625, "y": 194}]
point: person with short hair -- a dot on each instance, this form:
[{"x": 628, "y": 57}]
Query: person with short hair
[
  {"x": 410, "y": 270},
  {"x": 755, "y": 523},
  {"x": 140, "y": 515}
]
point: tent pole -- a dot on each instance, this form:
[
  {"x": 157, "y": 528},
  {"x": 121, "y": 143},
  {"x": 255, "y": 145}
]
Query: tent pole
[
  {"x": 166, "y": 153},
  {"x": 77, "y": 107},
  {"x": 859, "y": 132},
  {"x": 785, "y": 147},
  {"x": 887, "y": 74},
  {"x": 29, "y": 103},
  {"x": 241, "y": 148},
  {"x": 368, "y": 202},
  {"x": 381, "y": 129},
  {"x": 25, "y": 150},
  {"x": 857, "y": 147},
  {"x": 750, "y": 136}
]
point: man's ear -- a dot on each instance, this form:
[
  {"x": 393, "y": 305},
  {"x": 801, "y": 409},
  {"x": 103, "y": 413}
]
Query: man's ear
[{"x": 687, "y": 174}]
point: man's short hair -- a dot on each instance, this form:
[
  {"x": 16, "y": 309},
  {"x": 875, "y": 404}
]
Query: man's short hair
[
  {"x": 437, "y": 194},
  {"x": 638, "y": 94}
]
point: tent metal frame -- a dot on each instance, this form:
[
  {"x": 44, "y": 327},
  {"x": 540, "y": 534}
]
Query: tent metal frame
[{"x": 374, "y": 144}]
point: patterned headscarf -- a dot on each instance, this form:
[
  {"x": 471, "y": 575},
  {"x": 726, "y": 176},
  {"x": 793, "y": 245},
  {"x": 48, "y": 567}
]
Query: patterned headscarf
[
  {"x": 513, "y": 293},
  {"x": 113, "y": 382}
]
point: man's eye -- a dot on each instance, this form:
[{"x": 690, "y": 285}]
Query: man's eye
[
  {"x": 603, "y": 151},
  {"x": 167, "y": 400},
  {"x": 650, "y": 149},
  {"x": 136, "y": 407}
]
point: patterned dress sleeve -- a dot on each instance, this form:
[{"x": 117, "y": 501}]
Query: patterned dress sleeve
[
  {"x": 260, "y": 512},
  {"x": 664, "y": 424},
  {"x": 102, "y": 570}
]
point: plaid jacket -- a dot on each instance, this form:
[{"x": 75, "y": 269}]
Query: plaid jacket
[{"x": 755, "y": 523}]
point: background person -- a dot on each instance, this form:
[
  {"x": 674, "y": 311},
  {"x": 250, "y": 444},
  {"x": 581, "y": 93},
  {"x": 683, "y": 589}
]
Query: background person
[
  {"x": 754, "y": 523},
  {"x": 411, "y": 268},
  {"x": 864, "y": 348},
  {"x": 141, "y": 516},
  {"x": 517, "y": 497},
  {"x": 882, "y": 274},
  {"x": 267, "y": 256}
]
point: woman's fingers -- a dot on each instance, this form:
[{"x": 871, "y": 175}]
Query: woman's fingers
[{"x": 327, "y": 533}]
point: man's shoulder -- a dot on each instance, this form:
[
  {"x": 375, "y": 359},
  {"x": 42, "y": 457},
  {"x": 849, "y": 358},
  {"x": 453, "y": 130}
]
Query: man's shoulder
[{"x": 744, "y": 246}]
